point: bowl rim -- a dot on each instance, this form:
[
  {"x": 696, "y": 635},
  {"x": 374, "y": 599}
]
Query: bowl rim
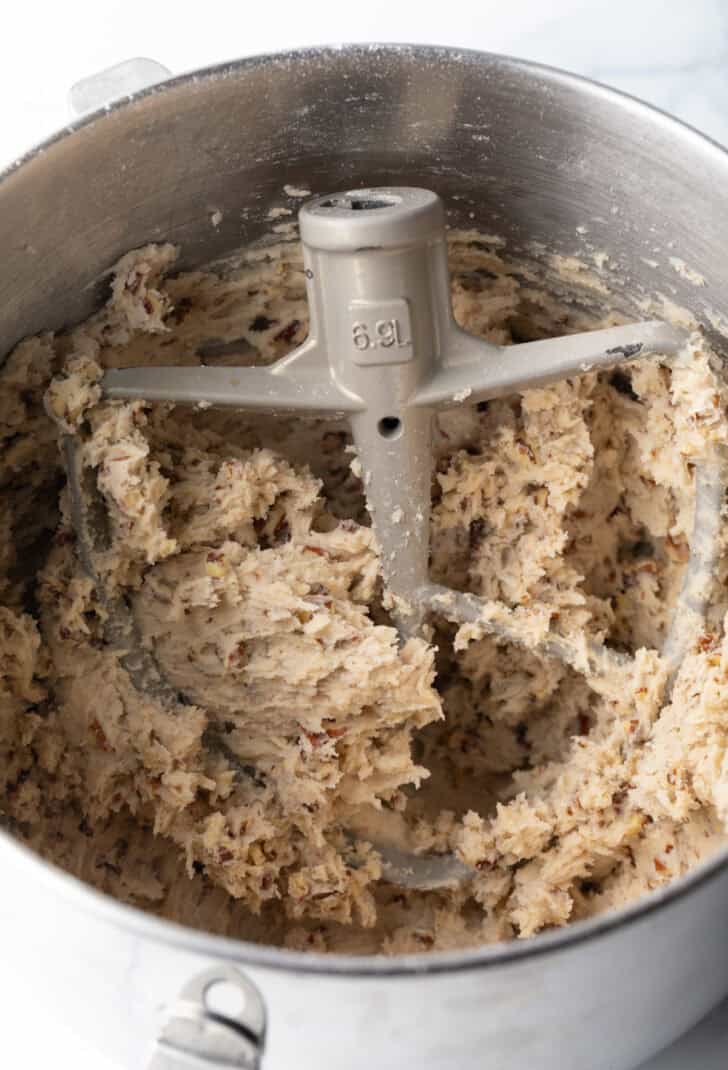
[{"x": 142, "y": 924}]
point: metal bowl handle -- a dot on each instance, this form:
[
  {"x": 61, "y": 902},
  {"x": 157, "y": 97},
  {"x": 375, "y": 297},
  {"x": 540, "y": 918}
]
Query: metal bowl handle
[
  {"x": 201, "y": 1036},
  {"x": 122, "y": 80}
]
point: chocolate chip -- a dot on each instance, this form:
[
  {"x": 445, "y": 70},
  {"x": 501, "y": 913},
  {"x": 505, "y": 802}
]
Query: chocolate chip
[
  {"x": 262, "y": 323},
  {"x": 623, "y": 385},
  {"x": 477, "y": 531},
  {"x": 287, "y": 334}
]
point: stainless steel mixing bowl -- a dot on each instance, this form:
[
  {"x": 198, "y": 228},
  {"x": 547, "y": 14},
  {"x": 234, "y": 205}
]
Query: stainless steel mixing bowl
[{"x": 528, "y": 153}]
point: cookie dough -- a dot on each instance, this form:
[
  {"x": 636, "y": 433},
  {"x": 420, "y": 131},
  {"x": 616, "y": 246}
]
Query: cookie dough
[{"x": 242, "y": 547}]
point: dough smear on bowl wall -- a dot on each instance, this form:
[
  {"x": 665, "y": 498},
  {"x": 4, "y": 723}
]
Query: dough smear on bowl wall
[{"x": 243, "y": 547}]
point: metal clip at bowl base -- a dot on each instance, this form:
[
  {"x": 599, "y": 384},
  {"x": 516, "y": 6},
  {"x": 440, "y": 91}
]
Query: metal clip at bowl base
[{"x": 200, "y": 1037}]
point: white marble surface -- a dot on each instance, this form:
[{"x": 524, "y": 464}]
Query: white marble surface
[{"x": 669, "y": 52}]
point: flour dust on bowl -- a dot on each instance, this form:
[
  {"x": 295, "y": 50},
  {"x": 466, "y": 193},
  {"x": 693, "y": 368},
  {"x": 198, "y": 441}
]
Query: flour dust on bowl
[{"x": 226, "y": 895}]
